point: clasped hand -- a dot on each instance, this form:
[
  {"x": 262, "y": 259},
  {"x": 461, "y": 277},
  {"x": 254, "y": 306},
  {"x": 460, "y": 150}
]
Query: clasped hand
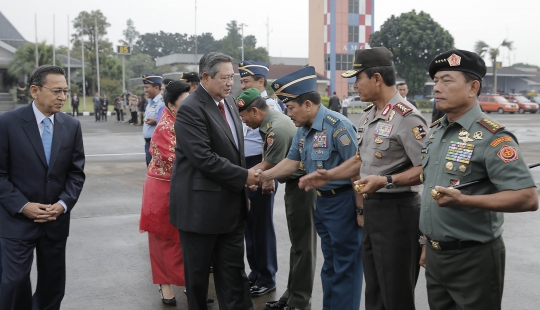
[
  {"x": 41, "y": 213},
  {"x": 371, "y": 184}
]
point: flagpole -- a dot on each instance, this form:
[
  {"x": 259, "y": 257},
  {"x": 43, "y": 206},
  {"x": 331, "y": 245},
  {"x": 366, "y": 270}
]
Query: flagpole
[
  {"x": 97, "y": 56},
  {"x": 37, "y": 53},
  {"x": 82, "y": 49},
  {"x": 53, "y": 40},
  {"x": 69, "y": 62}
]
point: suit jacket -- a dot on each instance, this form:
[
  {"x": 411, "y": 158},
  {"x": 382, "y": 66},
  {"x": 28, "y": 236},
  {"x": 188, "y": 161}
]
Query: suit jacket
[
  {"x": 75, "y": 101},
  {"x": 333, "y": 103},
  {"x": 25, "y": 176},
  {"x": 207, "y": 184}
]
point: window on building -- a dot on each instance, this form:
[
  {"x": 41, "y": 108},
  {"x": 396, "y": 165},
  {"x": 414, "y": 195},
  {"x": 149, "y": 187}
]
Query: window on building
[
  {"x": 354, "y": 6},
  {"x": 327, "y": 62},
  {"x": 354, "y": 32},
  {"x": 344, "y": 61}
]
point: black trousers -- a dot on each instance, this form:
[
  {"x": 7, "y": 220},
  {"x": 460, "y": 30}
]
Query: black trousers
[
  {"x": 391, "y": 252},
  {"x": 75, "y": 110},
  {"x": 15, "y": 287},
  {"x": 226, "y": 251},
  {"x": 471, "y": 278},
  {"x": 119, "y": 114}
]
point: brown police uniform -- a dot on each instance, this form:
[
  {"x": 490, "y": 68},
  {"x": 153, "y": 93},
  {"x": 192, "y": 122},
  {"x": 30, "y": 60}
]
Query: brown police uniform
[{"x": 390, "y": 142}]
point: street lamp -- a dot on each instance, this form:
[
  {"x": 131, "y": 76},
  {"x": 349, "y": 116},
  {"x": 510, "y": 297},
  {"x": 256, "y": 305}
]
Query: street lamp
[{"x": 242, "y": 25}]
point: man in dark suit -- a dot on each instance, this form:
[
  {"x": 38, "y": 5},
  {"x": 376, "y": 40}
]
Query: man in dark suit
[
  {"x": 333, "y": 104},
  {"x": 75, "y": 104},
  {"x": 208, "y": 199},
  {"x": 41, "y": 178}
]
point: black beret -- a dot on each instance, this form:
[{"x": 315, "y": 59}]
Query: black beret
[
  {"x": 190, "y": 77},
  {"x": 458, "y": 60}
]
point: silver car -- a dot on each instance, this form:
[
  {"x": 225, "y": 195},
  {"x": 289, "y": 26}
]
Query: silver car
[{"x": 355, "y": 102}]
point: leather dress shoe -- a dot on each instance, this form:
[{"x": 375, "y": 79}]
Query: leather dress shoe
[
  {"x": 208, "y": 300},
  {"x": 257, "y": 291},
  {"x": 276, "y": 304}
]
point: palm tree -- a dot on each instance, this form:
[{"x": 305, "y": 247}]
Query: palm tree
[
  {"x": 24, "y": 59},
  {"x": 483, "y": 49}
]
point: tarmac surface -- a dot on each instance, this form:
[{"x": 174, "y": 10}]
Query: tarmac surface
[{"x": 107, "y": 257}]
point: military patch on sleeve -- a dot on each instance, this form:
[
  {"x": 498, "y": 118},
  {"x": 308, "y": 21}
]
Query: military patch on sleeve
[
  {"x": 490, "y": 125},
  {"x": 269, "y": 141},
  {"x": 330, "y": 119},
  {"x": 500, "y": 140},
  {"x": 419, "y": 132},
  {"x": 345, "y": 139},
  {"x": 402, "y": 108},
  {"x": 508, "y": 153},
  {"x": 368, "y": 107},
  {"x": 435, "y": 123}
]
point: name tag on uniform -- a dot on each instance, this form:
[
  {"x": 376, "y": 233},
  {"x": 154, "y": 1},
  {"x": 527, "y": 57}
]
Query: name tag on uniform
[
  {"x": 383, "y": 129},
  {"x": 319, "y": 140}
]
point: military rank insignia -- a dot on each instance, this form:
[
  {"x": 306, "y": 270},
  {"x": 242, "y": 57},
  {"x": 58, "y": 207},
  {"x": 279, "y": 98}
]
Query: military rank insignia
[
  {"x": 345, "y": 139},
  {"x": 500, "y": 140},
  {"x": 508, "y": 153},
  {"x": 460, "y": 152},
  {"x": 402, "y": 109},
  {"x": 386, "y": 110},
  {"x": 490, "y": 125},
  {"x": 320, "y": 140},
  {"x": 269, "y": 141},
  {"x": 419, "y": 132},
  {"x": 383, "y": 129}
]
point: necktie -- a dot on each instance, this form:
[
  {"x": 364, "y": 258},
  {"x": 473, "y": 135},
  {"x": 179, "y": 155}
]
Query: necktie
[
  {"x": 222, "y": 110},
  {"x": 46, "y": 137}
]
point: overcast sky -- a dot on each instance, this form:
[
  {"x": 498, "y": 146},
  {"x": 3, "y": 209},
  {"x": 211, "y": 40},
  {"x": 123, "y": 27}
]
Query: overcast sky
[{"x": 467, "y": 20}]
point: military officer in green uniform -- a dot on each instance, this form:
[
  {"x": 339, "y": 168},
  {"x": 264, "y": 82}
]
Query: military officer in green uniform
[
  {"x": 324, "y": 140},
  {"x": 277, "y": 132},
  {"x": 390, "y": 136},
  {"x": 465, "y": 252}
]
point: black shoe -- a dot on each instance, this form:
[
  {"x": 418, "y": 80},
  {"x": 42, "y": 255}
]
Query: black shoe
[
  {"x": 168, "y": 302},
  {"x": 277, "y": 304},
  {"x": 290, "y": 308},
  {"x": 208, "y": 300},
  {"x": 257, "y": 291}
]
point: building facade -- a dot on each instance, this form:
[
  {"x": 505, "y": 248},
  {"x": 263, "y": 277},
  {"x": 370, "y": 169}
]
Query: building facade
[{"x": 346, "y": 26}]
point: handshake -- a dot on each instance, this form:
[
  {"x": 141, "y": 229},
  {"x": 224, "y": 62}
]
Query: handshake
[{"x": 256, "y": 179}]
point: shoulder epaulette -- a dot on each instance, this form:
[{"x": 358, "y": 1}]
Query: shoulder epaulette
[
  {"x": 435, "y": 123},
  {"x": 490, "y": 125},
  {"x": 402, "y": 108},
  {"x": 368, "y": 107},
  {"x": 265, "y": 97},
  {"x": 330, "y": 119}
]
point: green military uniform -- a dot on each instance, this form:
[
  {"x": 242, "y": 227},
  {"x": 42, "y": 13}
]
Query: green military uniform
[
  {"x": 387, "y": 141},
  {"x": 465, "y": 254},
  {"x": 277, "y": 131}
]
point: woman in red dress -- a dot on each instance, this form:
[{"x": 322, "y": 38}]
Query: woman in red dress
[{"x": 163, "y": 239}]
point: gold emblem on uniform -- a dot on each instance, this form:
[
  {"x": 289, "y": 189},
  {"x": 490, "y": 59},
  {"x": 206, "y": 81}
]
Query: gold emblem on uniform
[
  {"x": 422, "y": 178},
  {"x": 422, "y": 157},
  {"x": 435, "y": 194},
  {"x": 358, "y": 187},
  {"x": 477, "y": 135},
  {"x": 365, "y": 121},
  {"x": 378, "y": 140},
  {"x": 431, "y": 137},
  {"x": 302, "y": 165},
  {"x": 319, "y": 152},
  {"x": 454, "y": 60},
  {"x": 436, "y": 244},
  {"x": 464, "y": 135},
  {"x": 319, "y": 166},
  {"x": 462, "y": 168},
  {"x": 378, "y": 155},
  {"x": 449, "y": 166},
  {"x": 358, "y": 154},
  {"x": 267, "y": 125},
  {"x": 391, "y": 116}
]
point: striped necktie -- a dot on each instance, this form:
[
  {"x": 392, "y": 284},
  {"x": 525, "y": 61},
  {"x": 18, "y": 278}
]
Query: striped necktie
[{"x": 46, "y": 137}]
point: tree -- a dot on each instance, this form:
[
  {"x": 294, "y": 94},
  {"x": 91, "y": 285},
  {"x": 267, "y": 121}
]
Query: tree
[
  {"x": 139, "y": 64},
  {"x": 481, "y": 48},
  {"x": 205, "y": 43},
  {"x": 84, "y": 25},
  {"x": 414, "y": 39},
  {"x": 24, "y": 59},
  {"x": 131, "y": 35},
  {"x": 250, "y": 40},
  {"x": 232, "y": 44},
  {"x": 163, "y": 44},
  {"x": 525, "y": 65}
]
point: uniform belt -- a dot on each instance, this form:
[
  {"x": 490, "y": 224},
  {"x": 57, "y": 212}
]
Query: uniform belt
[
  {"x": 254, "y": 157},
  {"x": 385, "y": 196},
  {"x": 334, "y": 191},
  {"x": 452, "y": 245},
  {"x": 147, "y": 139}
]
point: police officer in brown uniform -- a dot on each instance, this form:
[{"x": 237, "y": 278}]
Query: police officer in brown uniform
[
  {"x": 390, "y": 136},
  {"x": 465, "y": 252}
]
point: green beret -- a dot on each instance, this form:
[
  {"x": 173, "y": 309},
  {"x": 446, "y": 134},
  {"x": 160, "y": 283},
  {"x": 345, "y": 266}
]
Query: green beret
[{"x": 246, "y": 98}]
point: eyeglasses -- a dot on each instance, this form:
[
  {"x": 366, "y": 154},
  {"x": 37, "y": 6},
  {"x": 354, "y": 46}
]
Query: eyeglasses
[{"x": 58, "y": 91}]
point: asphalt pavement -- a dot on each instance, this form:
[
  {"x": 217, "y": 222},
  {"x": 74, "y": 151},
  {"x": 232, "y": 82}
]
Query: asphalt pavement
[{"x": 107, "y": 257}]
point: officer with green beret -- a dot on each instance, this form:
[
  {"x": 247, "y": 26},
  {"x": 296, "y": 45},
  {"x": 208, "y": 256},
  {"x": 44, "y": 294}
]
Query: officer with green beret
[
  {"x": 277, "y": 132},
  {"x": 324, "y": 140},
  {"x": 465, "y": 252}
]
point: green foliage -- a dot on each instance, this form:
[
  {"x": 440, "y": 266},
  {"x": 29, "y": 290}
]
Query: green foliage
[
  {"x": 111, "y": 88},
  {"x": 139, "y": 64},
  {"x": 130, "y": 34},
  {"x": 414, "y": 39},
  {"x": 24, "y": 59},
  {"x": 111, "y": 68},
  {"x": 75, "y": 89},
  {"x": 424, "y": 104},
  {"x": 163, "y": 43},
  {"x": 525, "y": 65},
  {"x": 325, "y": 100}
]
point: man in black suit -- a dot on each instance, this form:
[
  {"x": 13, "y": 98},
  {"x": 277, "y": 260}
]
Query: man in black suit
[
  {"x": 333, "y": 104},
  {"x": 41, "y": 178},
  {"x": 208, "y": 199}
]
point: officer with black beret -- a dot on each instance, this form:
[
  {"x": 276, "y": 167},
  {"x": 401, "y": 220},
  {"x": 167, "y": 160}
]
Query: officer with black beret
[{"x": 192, "y": 78}]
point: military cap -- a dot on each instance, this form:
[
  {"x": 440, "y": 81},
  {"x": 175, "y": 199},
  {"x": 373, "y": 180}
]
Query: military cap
[
  {"x": 295, "y": 84},
  {"x": 368, "y": 58},
  {"x": 152, "y": 78},
  {"x": 458, "y": 60},
  {"x": 249, "y": 68},
  {"x": 190, "y": 77},
  {"x": 246, "y": 98}
]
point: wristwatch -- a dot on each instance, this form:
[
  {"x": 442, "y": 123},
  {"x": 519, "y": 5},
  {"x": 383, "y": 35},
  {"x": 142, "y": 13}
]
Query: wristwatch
[
  {"x": 389, "y": 184},
  {"x": 360, "y": 210}
]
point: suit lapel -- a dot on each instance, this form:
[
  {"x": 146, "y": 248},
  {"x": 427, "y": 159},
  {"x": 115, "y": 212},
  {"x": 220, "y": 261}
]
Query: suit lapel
[
  {"x": 32, "y": 132},
  {"x": 58, "y": 134},
  {"x": 213, "y": 110},
  {"x": 237, "y": 120}
]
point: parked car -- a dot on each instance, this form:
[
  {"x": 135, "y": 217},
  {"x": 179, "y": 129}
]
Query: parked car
[
  {"x": 496, "y": 103},
  {"x": 355, "y": 102},
  {"x": 535, "y": 99},
  {"x": 524, "y": 104}
]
